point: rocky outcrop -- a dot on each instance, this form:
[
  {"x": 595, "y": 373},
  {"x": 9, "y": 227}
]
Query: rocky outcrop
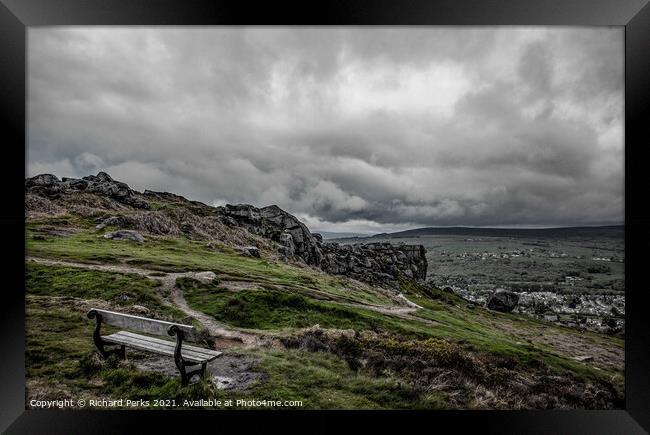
[
  {"x": 276, "y": 224},
  {"x": 376, "y": 263},
  {"x": 101, "y": 184},
  {"x": 502, "y": 300},
  {"x": 305, "y": 245}
]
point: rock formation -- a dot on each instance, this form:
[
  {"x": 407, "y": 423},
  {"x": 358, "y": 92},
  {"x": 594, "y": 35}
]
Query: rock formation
[
  {"x": 376, "y": 263},
  {"x": 278, "y": 225},
  {"x": 101, "y": 184}
]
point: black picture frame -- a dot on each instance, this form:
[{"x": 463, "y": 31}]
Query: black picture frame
[{"x": 17, "y": 15}]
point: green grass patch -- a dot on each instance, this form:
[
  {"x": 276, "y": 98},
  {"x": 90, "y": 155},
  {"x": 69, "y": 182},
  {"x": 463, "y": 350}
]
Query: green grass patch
[
  {"x": 270, "y": 309},
  {"x": 118, "y": 288},
  {"x": 324, "y": 381},
  {"x": 169, "y": 254},
  {"x": 275, "y": 310}
]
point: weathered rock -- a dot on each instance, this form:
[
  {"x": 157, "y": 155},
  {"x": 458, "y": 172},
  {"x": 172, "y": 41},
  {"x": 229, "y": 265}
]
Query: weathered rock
[
  {"x": 274, "y": 223},
  {"x": 227, "y": 220},
  {"x": 101, "y": 184},
  {"x": 42, "y": 180},
  {"x": 305, "y": 245},
  {"x": 140, "y": 309},
  {"x": 376, "y": 263},
  {"x": 288, "y": 248},
  {"x": 125, "y": 235},
  {"x": 502, "y": 300},
  {"x": 73, "y": 183},
  {"x": 251, "y": 251},
  {"x": 243, "y": 212},
  {"x": 165, "y": 196}
]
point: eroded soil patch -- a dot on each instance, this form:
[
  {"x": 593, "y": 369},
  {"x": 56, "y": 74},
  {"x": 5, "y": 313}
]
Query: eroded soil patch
[{"x": 227, "y": 372}]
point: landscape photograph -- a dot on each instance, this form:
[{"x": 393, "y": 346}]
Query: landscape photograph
[{"x": 316, "y": 218}]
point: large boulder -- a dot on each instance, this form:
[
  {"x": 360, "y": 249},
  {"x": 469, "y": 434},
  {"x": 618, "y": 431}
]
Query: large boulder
[
  {"x": 125, "y": 235},
  {"x": 243, "y": 212},
  {"x": 103, "y": 184},
  {"x": 502, "y": 300},
  {"x": 272, "y": 222},
  {"x": 47, "y": 185},
  {"x": 250, "y": 251},
  {"x": 306, "y": 246},
  {"x": 42, "y": 180}
]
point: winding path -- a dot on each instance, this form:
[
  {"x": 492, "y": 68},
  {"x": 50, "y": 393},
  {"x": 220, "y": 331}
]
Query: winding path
[
  {"x": 570, "y": 344},
  {"x": 224, "y": 336}
]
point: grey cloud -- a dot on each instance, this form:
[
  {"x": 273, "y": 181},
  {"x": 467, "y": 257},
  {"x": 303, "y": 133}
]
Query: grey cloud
[{"x": 502, "y": 126}]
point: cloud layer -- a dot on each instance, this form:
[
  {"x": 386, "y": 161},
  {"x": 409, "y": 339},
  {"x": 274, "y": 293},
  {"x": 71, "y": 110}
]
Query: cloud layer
[{"x": 352, "y": 129}]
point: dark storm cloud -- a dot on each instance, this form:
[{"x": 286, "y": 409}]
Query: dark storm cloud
[{"x": 361, "y": 129}]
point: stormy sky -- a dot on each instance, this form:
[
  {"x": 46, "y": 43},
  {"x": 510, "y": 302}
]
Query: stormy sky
[{"x": 351, "y": 129}]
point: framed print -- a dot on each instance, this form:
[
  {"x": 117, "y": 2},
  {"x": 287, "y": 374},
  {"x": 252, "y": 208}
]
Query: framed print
[{"x": 368, "y": 210}]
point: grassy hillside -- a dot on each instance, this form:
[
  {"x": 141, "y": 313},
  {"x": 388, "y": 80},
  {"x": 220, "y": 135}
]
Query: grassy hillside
[{"x": 332, "y": 342}]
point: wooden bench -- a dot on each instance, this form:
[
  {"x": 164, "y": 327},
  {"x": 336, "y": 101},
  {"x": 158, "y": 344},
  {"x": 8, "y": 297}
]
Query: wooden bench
[{"x": 184, "y": 356}]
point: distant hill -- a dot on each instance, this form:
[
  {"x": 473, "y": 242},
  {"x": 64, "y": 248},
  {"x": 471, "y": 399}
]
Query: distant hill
[
  {"x": 614, "y": 231},
  {"x": 327, "y": 235}
]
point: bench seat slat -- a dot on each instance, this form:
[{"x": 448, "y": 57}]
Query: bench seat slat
[
  {"x": 163, "y": 347},
  {"x": 197, "y": 350}
]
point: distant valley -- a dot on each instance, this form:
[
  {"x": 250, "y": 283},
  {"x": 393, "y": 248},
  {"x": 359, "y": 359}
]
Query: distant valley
[{"x": 573, "y": 276}]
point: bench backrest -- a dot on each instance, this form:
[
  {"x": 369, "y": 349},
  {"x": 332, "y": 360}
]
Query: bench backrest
[{"x": 144, "y": 324}]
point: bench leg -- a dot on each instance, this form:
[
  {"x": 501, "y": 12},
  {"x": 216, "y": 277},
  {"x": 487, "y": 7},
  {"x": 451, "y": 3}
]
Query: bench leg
[
  {"x": 180, "y": 361},
  {"x": 105, "y": 353},
  {"x": 99, "y": 343},
  {"x": 186, "y": 376}
]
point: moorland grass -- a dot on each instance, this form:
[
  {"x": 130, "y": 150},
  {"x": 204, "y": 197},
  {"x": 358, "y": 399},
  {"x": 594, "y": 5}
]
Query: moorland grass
[
  {"x": 283, "y": 300},
  {"x": 121, "y": 289},
  {"x": 169, "y": 254},
  {"x": 60, "y": 350}
]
